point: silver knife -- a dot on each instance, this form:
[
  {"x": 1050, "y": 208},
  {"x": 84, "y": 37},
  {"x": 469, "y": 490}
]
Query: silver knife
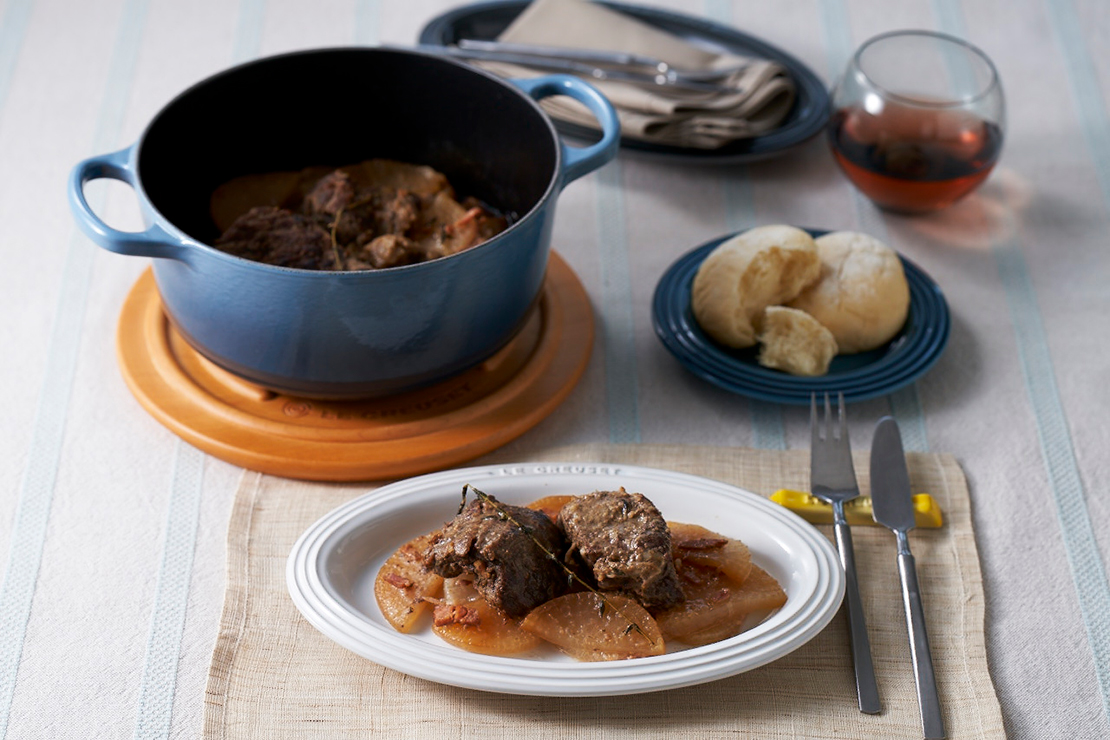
[
  {"x": 608, "y": 58},
  {"x": 582, "y": 69},
  {"x": 892, "y": 506}
]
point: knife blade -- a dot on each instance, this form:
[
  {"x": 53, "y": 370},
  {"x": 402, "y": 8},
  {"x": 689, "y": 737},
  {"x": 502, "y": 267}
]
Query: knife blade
[{"x": 892, "y": 506}]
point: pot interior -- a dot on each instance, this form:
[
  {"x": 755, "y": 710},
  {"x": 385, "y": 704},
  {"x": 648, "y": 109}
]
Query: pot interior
[{"x": 340, "y": 107}]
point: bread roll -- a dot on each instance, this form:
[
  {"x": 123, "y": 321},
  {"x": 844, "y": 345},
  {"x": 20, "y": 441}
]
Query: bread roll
[
  {"x": 795, "y": 342},
  {"x": 862, "y": 296},
  {"x": 762, "y": 267}
]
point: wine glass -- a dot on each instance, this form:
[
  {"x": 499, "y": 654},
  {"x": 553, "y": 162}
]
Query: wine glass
[{"x": 918, "y": 120}]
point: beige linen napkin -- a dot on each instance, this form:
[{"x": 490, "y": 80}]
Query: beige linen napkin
[
  {"x": 760, "y": 96},
  {"x": 273, "y": 676}
]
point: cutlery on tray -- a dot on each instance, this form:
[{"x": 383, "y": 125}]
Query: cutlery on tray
[
  {"x": 619, "y": 59},
  {"x": 593, "y": 67},
  {"x": 893, "y": 507},
  {"x": 833, "y": 479}
]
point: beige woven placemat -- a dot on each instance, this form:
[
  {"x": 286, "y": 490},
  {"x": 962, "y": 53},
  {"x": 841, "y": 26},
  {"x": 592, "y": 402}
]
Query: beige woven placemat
[{"x": 274, "y": 676}]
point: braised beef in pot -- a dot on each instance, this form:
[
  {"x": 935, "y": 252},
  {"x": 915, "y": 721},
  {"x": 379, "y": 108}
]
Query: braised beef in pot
[{"x": 369, "y": 216}]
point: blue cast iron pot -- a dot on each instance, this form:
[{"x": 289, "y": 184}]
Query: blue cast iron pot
[{"x": 348, "y": 334}]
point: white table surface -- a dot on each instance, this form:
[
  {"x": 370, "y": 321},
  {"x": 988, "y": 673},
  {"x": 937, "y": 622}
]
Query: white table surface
[{"x": 113, "y": 530}]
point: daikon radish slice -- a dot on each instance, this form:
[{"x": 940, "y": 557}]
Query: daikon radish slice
[
  {"x": 402, "y": 585},
  {"x": 590, "y": 628},
  {"x": 466, "y": 620},
  {"x": 694, "y": 544}
]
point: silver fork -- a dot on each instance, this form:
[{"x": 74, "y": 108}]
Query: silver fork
[
  {"x": 637, "y": 62},
  {"x": 833, "y": 480}
]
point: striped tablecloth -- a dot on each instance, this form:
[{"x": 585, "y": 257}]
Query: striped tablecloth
[{"x": 113, "y": 531}]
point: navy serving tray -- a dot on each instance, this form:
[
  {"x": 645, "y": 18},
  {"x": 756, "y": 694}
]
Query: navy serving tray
[{"x": 808, "y": 116}]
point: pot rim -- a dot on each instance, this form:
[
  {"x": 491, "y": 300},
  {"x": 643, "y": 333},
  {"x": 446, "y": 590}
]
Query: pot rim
[{"x": 187, "y": 240}]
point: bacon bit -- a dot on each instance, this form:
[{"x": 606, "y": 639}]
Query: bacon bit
[
  {"x": 398, "y": 580},
  {"x": 467, "y": 217},
  {"x": 691, "y": 575},
  {"x": 706, "y": 543},
  {"x": 718, "y": 597},
  {"x": 445, "y": 614}
]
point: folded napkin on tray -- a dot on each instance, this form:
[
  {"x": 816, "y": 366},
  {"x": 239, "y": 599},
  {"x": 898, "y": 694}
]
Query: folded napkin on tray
[
  {"x": 760, "y": 95},
  {"x": 273, "y": 676}
]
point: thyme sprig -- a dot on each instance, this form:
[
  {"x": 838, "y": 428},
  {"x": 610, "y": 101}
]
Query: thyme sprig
[
  {"x": 503, "y": 514},
  {"x": 335, "y": 227},
  {"x": 334, "y": 241}
]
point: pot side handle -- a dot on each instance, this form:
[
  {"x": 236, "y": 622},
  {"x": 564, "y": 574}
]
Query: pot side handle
[
  {"x": 578, "y": 161},
  {"x": 154, "y": 242}
]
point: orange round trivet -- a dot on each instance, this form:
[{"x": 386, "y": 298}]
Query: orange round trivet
[{"x": 418, "y": 432}]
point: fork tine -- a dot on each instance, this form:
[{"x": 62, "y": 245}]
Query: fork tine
[
  {"x": 814, "y": 432},
  {"x": 840, "y": 411},
  {"x": 828, "y": 419}
]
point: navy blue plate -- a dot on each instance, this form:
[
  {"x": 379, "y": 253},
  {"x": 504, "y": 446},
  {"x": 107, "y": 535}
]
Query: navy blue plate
[
  {"x": 901, "y": 356},
  {"x": 485, "y": 21},
  {"x": 909, "y": 355}
]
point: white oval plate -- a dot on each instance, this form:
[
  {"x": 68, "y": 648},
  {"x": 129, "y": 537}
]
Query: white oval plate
[{"x": 331, "y": 570}]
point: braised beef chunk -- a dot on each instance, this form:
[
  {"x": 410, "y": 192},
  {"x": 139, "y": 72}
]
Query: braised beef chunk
[
  {"x": 391, "y": 250},
  {"x": 370, "y": 216},
  {"x": 279, "y": 237},
  {"x": 510, "y": 571},
  {"x": 331, "y": 193},
  {"x": 395, "y": 211},
  {"x": 623, "y": 538}
]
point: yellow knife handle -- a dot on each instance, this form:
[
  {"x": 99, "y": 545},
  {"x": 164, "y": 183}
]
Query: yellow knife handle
[{"x": 926, "y": 511}]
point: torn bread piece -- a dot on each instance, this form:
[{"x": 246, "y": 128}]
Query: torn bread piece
[{"x": 795, "y": 342}]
